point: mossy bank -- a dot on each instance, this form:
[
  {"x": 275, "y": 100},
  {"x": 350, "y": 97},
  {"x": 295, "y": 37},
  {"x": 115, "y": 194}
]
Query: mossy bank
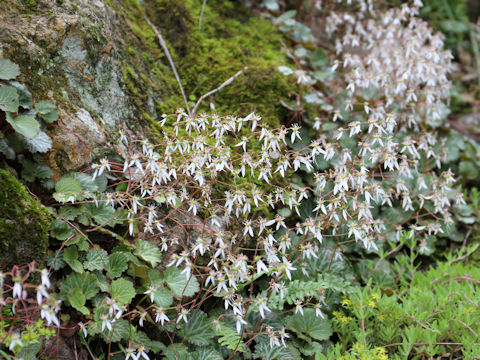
[{"x": 24, "y": 224}]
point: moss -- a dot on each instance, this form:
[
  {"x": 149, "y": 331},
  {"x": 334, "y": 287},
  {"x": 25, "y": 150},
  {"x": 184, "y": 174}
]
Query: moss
[
  {"x": 31, "y": 5},
  {"x": 230, "y": 39},
  {"x": 24, "y": 223}
]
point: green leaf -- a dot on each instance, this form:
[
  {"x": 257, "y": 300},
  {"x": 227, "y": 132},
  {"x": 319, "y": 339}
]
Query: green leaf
[
  {"x": 156, "y": 277},
  {"x": 70, "y": 255},
  {"x": 68, "y": 212},
  {"x": 309, "y": 324},
  {"x": 68, "y": 185},
  {"x": 163, "y": 298},
  {"x": 264, "y": 351},
  {"x": 102, "y": 280},
  {"x": 176, "y": 352},
  {"x": 43, "y": 107},
  {"x": 16, "y": 141},
  {"x": 102, "y": 214},
  {"x": 140, "y": 338},
  {"x": 9, "y": 100},
  {"x": 24, "y": 124},
  {"x": 179, "y": 284},
  {"x": 468, "y": 170},
  {"x": 148, "y": 252},
  {"x": 206, "y": 353},
  {"x": 199, "y": 329},
  {"x": 123, "y": 291},
  {"x": 6, "y": 149},
  {"x": 8, "y": 70},
  {"x": 77, "y": 299},
  {"x": 117, "y": 264},
  {"x": 24, "y": 96},
  {"x": 85, "y": 282},
  {"x": 40, "y": 143},
  {"x": 60, "y": 230},
  {"x": 121, "y": 331},
  {"x": 96, "y": 259},
  {"x": 42, "y": 171},
  {"x": 311, "y": 348},
  {"x": 88, "y": 184},
  {"x": 47, "y": 111},
  {"x": 230, "y": 338}
]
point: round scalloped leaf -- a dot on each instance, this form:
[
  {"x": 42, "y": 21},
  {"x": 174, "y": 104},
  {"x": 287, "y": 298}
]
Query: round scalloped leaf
[
  {"x": 85, "y": 282},
  {"x": 179, "y": 284},
  {"x": 68, "y": 185},
  {"x": 47, "y": 111},
  {"x": 6, "y": 149},
  {"x": 123, "y": 291},
  {"x": 40, "y": 143},
  {"x": 121, "y": 331},
  {"x": 24, "y": 96},
  {"x": 8, "y": 99},
  {"x": 77, "y": 300},
  {"x": 8, "y": 70},
  {"x": 163, "y": 298},
  {"x": 264, "y": 351},
  {"x": 206, "y": 353},
  {"x": 96, "y": 259},
  {"x": 24, "y": 124},
  {"x": 198, "y": 330},
  {"x": 308, "y": 323},
  {"x": 148, "y": 252},
  {"x": 117, "y": 264}
]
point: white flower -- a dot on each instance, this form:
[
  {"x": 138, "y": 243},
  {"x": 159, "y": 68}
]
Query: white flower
[
  {"x": 262, "y": 307},
  {"x": 286, "y": 267},
  {"x": 295, "y": 133},
  {"x": 318, "y": 311},
  {"x": 48, "y": 314},
  {"x": 142, "y": 353},
  {"x": 161, "y": 316},
  {"x": 106, "y": 322},
  {"x": 15, "y": 340},
  {"x": 183, "y": 315},
  {"x": 239, "y": 322},
  {"x": 41, "y": 293},
  {"x": 130, "y": 354},
  {"x": 298, "y": 307},
  {"x": 143, "y": 315},
  {"x": 83, "y": 328},
  {"x": 17, "y": 288},
  {"x": 151, "y": 290},
  {"x": 45, "y": 278},
  {"x": 283, "y": 336},
  {"x": 248, "y": 228}
]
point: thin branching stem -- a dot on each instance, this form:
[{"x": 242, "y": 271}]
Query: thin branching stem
[{"x": 170, "y": 60}]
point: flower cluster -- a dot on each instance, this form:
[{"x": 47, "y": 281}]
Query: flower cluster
[
  {"x": 24, "y": 301},
  {"x": 215, "y": 192}
]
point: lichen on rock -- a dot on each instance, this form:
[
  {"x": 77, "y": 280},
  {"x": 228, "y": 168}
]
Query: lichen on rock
[{"x": 24, "y": 224}]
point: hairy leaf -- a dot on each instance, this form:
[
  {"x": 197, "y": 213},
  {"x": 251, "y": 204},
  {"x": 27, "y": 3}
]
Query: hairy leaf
[
  {"x": 24, "y": 124},
  {"x": 309, "y": 324},
  {"x": 40, "y": 143},
  {"x": 198, "y": 330},
  {"x": 123, "y": 291},
  {"x": 179, "y": 284},
  {"x": 8, "y": 70},
  {"x": 96, "y": 259},
  {"x": 264, "y": 351},
  {"x": 148, "y": 252},
  {"x": 117, "y": 264}
]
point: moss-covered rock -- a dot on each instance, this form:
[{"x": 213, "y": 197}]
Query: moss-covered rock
[
  {"x": 229, "y": 39},
  {"x": 24, "y": 223}
]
